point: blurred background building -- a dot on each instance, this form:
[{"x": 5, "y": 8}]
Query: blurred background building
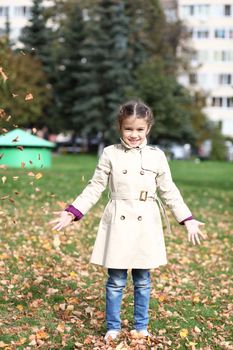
[
  {"x": 210, "y": 23},
  {"x": 17, "y": 12}
]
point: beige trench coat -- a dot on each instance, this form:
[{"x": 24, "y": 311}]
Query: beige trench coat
[{"x": 130, "y": 233}]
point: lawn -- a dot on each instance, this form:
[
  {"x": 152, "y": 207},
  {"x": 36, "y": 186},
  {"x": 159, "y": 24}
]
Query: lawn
[{"x": 52, "y": 298}]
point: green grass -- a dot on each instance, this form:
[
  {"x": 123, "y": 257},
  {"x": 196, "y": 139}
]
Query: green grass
[{"x": 52, "y": 298}]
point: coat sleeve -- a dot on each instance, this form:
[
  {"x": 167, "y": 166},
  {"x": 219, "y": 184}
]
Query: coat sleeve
[
  {"x": 92, "y": 192},
  {"x": 169, "y": 193}
]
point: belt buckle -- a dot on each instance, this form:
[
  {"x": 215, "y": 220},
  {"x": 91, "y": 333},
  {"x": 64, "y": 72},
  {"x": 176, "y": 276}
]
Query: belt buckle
[{"x": 143, "y": 196}]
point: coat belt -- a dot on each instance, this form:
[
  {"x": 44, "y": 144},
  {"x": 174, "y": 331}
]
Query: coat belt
[{"x": 143, "y": 196}]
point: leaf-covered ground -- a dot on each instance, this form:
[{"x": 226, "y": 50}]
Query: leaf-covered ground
[{"x": 52, "y": 298}]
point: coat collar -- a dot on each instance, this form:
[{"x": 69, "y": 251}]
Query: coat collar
[{"x": 125, "y": 145}]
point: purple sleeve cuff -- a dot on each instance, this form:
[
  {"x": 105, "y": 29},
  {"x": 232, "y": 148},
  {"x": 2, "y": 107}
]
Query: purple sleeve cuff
[
  {"x": 187, "y": 219},
  {"x": 71, "y": 209}
]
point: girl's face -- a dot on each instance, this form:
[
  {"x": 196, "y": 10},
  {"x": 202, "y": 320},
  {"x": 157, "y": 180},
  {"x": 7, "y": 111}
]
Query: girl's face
[{"x": 134, "y": 130}]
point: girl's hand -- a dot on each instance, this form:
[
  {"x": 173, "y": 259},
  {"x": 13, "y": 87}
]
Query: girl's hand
[
  {"x": 63, "y": 220},
  {"x": 194, "y": 232}
]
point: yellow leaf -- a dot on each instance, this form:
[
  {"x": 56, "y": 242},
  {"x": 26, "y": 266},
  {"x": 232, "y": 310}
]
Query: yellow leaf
[
  {"x": 183, "y": 333},
  {"x": 38, "y": 176},
  {"x": 161, "y": 297},
  {"x": 73, "y": 274},
  {"x": 20, "y": 307}
]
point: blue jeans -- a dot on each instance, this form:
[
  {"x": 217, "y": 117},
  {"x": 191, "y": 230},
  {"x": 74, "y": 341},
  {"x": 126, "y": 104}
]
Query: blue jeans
[{"x": 114, "y": 291}]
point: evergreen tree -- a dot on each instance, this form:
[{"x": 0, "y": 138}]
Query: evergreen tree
[
  {"x": 70, "y": 77},
  {"x": 111, "y": 60},
  {"x": 36, "y": 36}
]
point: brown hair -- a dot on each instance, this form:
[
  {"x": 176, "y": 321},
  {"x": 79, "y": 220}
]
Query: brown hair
[{"x": 136, "y": 109}]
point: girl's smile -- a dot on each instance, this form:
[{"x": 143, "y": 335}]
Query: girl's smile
[{"x": 134, "y": 131}]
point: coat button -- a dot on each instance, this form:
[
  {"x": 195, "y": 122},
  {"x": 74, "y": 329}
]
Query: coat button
[
  {"x": 142, "y": 172},
  {"x": 124, "y": 171},
  {"x": 122, "y": 217},
  {"x": 140, "y": 218}
]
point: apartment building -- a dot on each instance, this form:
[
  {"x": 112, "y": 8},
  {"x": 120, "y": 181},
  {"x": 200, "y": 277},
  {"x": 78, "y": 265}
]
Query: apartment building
[
  {"x": 18, "y": 12},
  {"x": 210, "y": 23}
]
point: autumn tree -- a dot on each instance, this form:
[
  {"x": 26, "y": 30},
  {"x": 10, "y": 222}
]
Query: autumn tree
[{"x": 23, "y": 94}]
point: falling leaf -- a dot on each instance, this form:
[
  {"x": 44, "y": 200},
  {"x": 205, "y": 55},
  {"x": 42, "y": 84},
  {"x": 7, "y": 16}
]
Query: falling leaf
[
  {"x": 29, "y": 97},
  {"x": 8, "y": 118},
  {"x": 20, "y": 148},
  {"x": 23, "y": 164},
  {"x": 30, "y": 162},
  {"x": 183, "y": 333},
  {"x": 31, "y": 174},
  {"x": 4, "y": 130},
  {"x": 62, "y": 205},
  {"x": 3, "y": 179},
  {"x": 38, "y": 176},
  {"x": 16, "y": 139},
  {"x": 4, "y": 76},
  {"x": 39, "y": 156},
  {"x": 4, "y": 197},
  {"x": 15, "y": 178},
  {"x": 34, "y": 130},
  {"x": 14, "y": 95}
]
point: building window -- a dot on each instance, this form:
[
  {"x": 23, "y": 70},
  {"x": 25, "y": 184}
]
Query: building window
[
  {"x": 187, "y": 10},
  {"x": 220, "y": 33},
  {"x": 224, "y": 79},
  {"x": 229, "y": 102},
  {"x": 4, "y": 11},
  {"x": 202, "y": 10},
  {"x": 227, "y": 10},
  {"x": 217, "y": 101},
  {"x": 202, "y": 34},
  {"x": 22, "y": 11},
  {"x": 192, "y": 78},
  {"x": 203, "y": 55},
  {"x": 223, "y": 56},
  {"x": 224, "y": 102}
]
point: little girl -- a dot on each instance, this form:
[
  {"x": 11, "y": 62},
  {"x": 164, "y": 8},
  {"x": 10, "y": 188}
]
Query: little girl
[{"x": 130, "y": 234}]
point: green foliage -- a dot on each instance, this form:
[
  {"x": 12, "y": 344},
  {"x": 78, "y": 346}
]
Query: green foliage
[
  {"x": 100, "y": 53},
  {"x": 20, "y": 83},
  {"x": 218, "y": 149},
  {"x": 169, "y": 101}
]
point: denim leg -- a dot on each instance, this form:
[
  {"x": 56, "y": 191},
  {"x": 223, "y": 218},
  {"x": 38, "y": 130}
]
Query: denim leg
[
  {"x": 141, "y": 281},
  {"x": 114, "y": 291}
]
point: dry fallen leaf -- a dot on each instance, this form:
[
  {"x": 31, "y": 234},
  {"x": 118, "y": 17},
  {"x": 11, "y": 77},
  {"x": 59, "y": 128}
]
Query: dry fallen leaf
[
  {"x": 29, "y": 97},
  {"x": 4, "y": 76}
]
